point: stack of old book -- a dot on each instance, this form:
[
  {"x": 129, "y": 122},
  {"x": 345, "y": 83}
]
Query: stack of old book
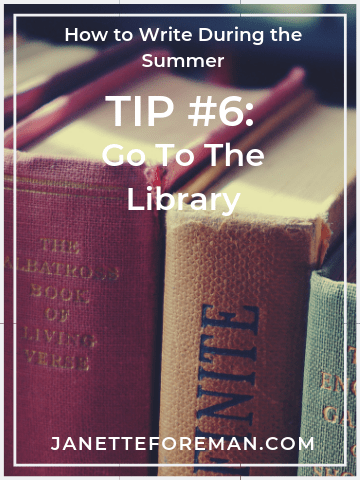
[{"x": 82, "y": 373}]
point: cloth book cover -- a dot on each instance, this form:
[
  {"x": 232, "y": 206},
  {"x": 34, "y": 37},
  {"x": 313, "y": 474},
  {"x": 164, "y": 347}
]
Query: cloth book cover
[
  {"x": 236, "y": 303},
  {"x": 323, "y": 413},
  {"x": 88, "y": 289},
  {"x": 236, "y": 296}
]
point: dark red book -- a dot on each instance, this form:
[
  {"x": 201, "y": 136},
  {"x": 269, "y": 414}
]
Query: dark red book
[
  {"x": 87, "y": 309},
  {"x": 89, "y": 272}
]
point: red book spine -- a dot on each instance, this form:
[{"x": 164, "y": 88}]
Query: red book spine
[{"x": 87, "y": 291}]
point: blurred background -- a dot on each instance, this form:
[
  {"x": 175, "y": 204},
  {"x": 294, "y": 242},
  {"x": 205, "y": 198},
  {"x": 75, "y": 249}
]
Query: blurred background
[{"x": 320, "y": 51}]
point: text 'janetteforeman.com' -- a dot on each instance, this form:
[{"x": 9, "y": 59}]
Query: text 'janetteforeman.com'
[{"x": 182, "y": 443}]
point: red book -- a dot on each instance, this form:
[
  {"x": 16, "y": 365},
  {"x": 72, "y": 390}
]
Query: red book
[{"x": 89, "y": 272}]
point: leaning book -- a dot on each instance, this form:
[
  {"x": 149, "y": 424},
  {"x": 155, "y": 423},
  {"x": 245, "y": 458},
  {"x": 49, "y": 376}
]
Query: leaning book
[{"x": 324, "y": 416}]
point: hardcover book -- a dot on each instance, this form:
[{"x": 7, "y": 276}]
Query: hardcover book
[
  {"x": 236, "y": 297},
  {"x": 88, "y": 270},
  {"x": 323, "y": 407}
]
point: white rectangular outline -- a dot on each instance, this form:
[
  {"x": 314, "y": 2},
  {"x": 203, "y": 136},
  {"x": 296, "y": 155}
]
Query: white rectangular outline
[{"x": 15, "y": 252}]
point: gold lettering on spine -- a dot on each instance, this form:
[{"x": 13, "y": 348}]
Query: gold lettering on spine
[
  {"x": 35, "y": 290},
  {"x": 325, "y": 382},
  {"x": 337, "y": 383},
  {"x": 55, "y": 360},
  {"x": 51, "y": 292},
  {"x": 44, "y": 243},
  {"x": 86, "y": 272},
  {"x": 59, "y": 337},
  {"x": 60, "y": 269},
  {"x": 330, "y": 414},
  {"x": 59, "y": 245},
  {"x": 83, "y": 363},
  {"x": 7, "y": 263},
  {"x": 334, "y": 383},
  {"x": 100, "y": 273},
  {"x": 31, "y": 266},
  {"x": 45, "y": 269},
  {"x": 63, "y": 315},
  {"x": 42, "y": 358},
  {"x": 331, "y": 472},
  {"x": 70, "y": 271},
  {"x": 73, "y": 338},
  {"x": 317, "y": 471},
  {"x": 88, "y": 341},
  {"x": 353, "y": 387},
  {"x": 75, "y": 247},
  {"x": 29, "y": 355},
  {"x": 114, "y": 273},
  {"x": 49, "y": 336},
  {"x": 353, "y": 349},
  {"x": 82, "y": 296},
  {"x": 25, "y": 337},
  {"x": 66, "y": 295},
  {"x": 69, "y": 362},
  {"x": 52, "y": 314},
  {"x": 68, "y": 246},
  {"x": 348, "y": 419}
]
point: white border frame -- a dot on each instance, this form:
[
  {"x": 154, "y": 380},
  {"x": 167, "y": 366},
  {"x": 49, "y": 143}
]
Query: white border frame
[{"x": 15, "y": 16}]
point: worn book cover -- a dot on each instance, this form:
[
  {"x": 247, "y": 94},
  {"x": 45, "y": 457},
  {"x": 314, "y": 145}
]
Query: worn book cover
[
  {"x": 323, "y": 410},
  {"x": 164, "y": 210}
]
